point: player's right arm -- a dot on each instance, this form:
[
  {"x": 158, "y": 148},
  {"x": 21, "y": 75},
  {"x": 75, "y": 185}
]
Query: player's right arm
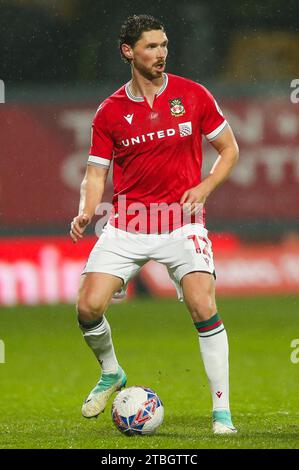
[
  {"x": 91, "y": 193},
  {"x": 93, "y": 184}
]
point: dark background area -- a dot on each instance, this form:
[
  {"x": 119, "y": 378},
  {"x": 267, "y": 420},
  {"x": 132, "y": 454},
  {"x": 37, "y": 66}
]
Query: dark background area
[{"x": 75, "y": 41}]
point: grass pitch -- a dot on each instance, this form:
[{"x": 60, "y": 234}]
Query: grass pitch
[{"x": 49, "y": 370}]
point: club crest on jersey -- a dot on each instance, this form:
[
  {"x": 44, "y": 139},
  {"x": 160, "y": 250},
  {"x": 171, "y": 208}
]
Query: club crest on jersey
[{"x": 176, "y": 107}]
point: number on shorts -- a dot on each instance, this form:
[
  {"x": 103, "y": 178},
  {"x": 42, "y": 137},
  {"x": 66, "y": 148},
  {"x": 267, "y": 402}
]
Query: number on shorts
[{"x": 196, "y": 239}]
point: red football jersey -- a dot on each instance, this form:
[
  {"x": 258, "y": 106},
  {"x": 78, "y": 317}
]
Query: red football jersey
[{"x": 156, "y": 152}]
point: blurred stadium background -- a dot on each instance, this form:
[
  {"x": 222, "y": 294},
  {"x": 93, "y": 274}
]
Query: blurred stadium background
[{"x": 58, "y": 60}]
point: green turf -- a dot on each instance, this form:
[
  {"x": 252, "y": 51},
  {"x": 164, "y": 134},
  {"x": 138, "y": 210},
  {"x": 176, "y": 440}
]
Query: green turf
[{"x": 49, "y": 370}]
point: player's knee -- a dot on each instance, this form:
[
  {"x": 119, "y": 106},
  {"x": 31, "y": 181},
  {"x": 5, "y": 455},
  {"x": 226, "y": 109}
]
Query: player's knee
[
  {"x": 203, "y": 308},
  {"x": 89, "y": 309}
]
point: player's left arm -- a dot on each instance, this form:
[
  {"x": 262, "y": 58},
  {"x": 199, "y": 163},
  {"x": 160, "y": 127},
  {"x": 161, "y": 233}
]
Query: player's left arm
[{"x": 228, "y": 151}]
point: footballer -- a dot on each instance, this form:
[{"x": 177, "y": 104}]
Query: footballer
[{"x": 151, "y": 131}]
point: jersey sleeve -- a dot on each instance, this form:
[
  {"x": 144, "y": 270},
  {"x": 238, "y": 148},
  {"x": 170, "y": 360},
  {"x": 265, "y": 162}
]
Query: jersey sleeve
[
  {"x": 212, "y": 119},
  {"x": 101, "y": 148}
]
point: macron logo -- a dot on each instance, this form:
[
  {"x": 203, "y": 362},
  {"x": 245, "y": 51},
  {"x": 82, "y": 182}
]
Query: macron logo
[{"x": 129, "y": 118}]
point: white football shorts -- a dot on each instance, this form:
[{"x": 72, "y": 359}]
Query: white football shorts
[{"x": 186, "y": 249}]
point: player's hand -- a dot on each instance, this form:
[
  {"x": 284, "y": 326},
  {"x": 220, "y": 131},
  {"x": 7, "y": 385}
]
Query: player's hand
[
  {"x": 78, "y": 226},
  {"x": 193, "y": 200}
]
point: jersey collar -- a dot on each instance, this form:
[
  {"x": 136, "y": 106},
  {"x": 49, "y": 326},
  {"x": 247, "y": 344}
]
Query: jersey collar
[{"x": 140, "y": 98}]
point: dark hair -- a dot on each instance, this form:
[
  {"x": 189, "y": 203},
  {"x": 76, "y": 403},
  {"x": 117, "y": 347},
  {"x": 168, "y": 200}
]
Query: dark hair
[{"x": 133, "y": 28}]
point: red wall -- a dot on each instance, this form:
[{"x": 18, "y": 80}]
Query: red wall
[{"x": 47, "y": 270}]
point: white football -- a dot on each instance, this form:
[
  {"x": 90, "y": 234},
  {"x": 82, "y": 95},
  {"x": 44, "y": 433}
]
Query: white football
[{"x": 137, "y": 410}]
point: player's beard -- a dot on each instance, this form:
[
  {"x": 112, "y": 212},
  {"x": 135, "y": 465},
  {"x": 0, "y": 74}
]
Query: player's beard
[{"x": 151, "y": 73}]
